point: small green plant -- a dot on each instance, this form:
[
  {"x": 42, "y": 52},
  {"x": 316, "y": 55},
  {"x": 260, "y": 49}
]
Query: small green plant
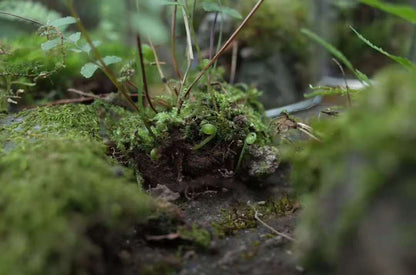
[
  {"x": 250, "y": 139},
  {"x": 209, "y": 130}
]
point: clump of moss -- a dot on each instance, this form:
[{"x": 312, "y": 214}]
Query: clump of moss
[
  {"x": 242, "y": 217},
  {"x": 56, "y": 195},
  {"x": 199, "y": 236},
  {"x": 362, "y": 165},
  {"x": 64, "y": 203}
]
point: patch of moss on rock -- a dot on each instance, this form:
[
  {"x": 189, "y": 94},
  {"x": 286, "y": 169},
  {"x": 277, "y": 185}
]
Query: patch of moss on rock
[
  {"x": 359, "y": 186},
  {"x": 64, "y": 203}
]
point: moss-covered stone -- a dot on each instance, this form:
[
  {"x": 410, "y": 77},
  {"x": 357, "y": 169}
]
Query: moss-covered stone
[
  {"x": 63, "y": 201},
  {"x": 360, "y": 183}
]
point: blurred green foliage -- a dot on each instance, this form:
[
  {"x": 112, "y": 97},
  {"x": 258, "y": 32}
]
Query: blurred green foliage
[{"x": 365, "y": 153}]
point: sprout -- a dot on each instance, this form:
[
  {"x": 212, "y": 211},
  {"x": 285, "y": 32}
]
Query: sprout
[
  {"x": 207, "y": 129},
  {"x": 155, "y": 154},
  {"x": 250, "y": 139}
]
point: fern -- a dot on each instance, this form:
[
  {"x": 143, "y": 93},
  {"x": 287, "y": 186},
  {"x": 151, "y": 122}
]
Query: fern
[
  {"x": 401, "y": 60},
  {"x": 404, "y": 11},
  {"x": 338, "y": 55}
]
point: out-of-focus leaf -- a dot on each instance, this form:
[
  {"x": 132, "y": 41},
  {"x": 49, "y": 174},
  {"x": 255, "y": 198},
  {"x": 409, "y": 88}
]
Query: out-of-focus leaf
[
  {"x": 75, "y": 37},
  {"x": 401, "y": 60},
  {"x": 50, "y": 44},
  {"x": 64, "y": 21},
  {"x": 111, "y": 59},
  {"x": 214, "y": 7},
  {"x": 89, "y": 69},
  {"x": 87, "y": 48},
  {"x": 338, "y": 55},
  {"x": 150, "y": 26},
  {"x": 404, "y": 11}
]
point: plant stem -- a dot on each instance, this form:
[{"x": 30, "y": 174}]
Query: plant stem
[
  {"x": 22, "y": 18},
  {"x": 220, "y": 52},
  {"x": 97, "y": 55},
  {"x": 144, "y": 78},
  {"x": 173, "y": 41},
  {"x": 159, "y": 68}
]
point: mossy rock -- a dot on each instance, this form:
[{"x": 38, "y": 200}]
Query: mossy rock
[
  {"x": 359, "y": 185},
  {"x": 64, "y": 203}
]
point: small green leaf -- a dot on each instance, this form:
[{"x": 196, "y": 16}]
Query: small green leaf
[
  {"x": 209, "y": 129},
  {"x": 169, "y": 3},
  {"x": 64, "y": 21},
  {"x": 50, "y": 44},
  {"x": 87, "y": 48},
  {"x": 251, "y": 138},
  {"x": 214, "y": 7},
  {"x": 89, "y": 69},
  {"x": 111, "y": 59},
  {"x": 75, "y": 37}
]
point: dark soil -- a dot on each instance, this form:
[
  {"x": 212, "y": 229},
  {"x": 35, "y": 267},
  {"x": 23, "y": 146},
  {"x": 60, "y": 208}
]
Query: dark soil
[{"x": 157, "y": 250}]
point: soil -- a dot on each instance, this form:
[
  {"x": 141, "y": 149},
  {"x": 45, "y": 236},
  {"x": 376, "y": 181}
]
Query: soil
[{"x": 158, "y": 250}]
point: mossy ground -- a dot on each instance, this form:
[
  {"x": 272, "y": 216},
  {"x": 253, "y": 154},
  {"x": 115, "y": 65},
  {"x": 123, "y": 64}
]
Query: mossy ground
[
  {"x": 365, "y": 154},
  {"x": 58, "y": 179}
]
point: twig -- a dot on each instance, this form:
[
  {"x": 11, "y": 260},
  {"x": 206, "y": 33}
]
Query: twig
[
  {"x": 345, "y": 79},
  {"x": 234, "y": 62},
  {"x": 22, "y": 18},
  {"x": 172, "y": 41},
  {"x": 256, "y": 216},
  {"x": 89, "y": 95},
  {"x": 144, "y": 78},
  {"x": 220, "y": 52}
]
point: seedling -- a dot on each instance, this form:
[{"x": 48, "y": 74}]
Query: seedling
[
  {"x": 207, "y": 129},
  {"x": 250, "y": 139}
]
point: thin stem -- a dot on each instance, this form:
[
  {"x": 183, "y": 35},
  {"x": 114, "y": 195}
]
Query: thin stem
[
  {"x": 159, "y": 68},
  {"x": 22, "y": 18},
  {"x": 221, "y": 51},
  {"x": 173, "y": 41},
  {"x": 345, "y": 80},
  {"x": 234, "y": 62},
  {"x": 212, "y": 36},
  {"x": 97, "y": 55},
  {"x": 256, "y": 216},
  {"x": 144, "y": 78}
]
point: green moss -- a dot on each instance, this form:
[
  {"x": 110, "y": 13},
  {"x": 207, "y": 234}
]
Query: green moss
[
  {"x": 364, "y": 153},
  {"x": 55, "y": 191},
  {"x": 241, "y": 216},
  {"x": 200, "y": 236}
]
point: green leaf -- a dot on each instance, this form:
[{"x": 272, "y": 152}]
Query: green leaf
[
  {"x": 75, "y": 37},
  {"x": 338, "y": 55},
  {"x": 64, "y": 21},
  {"x": 169, "y": 3},
  {"x": 150, "y": 26},
  {"x": 111, "y": 59},
  {"x": 401, "y": 60},
  {"x": 404, "y": 11},
  {"x": 87, "y": 48},
  {"x": 214, "y": 7},
  {"x": 89, "y": 69},
  {"x": 50, "y": 44}
]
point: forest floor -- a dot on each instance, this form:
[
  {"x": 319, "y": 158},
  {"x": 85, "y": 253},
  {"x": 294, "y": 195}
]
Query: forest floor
[{"x": 250, "y": 249}]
